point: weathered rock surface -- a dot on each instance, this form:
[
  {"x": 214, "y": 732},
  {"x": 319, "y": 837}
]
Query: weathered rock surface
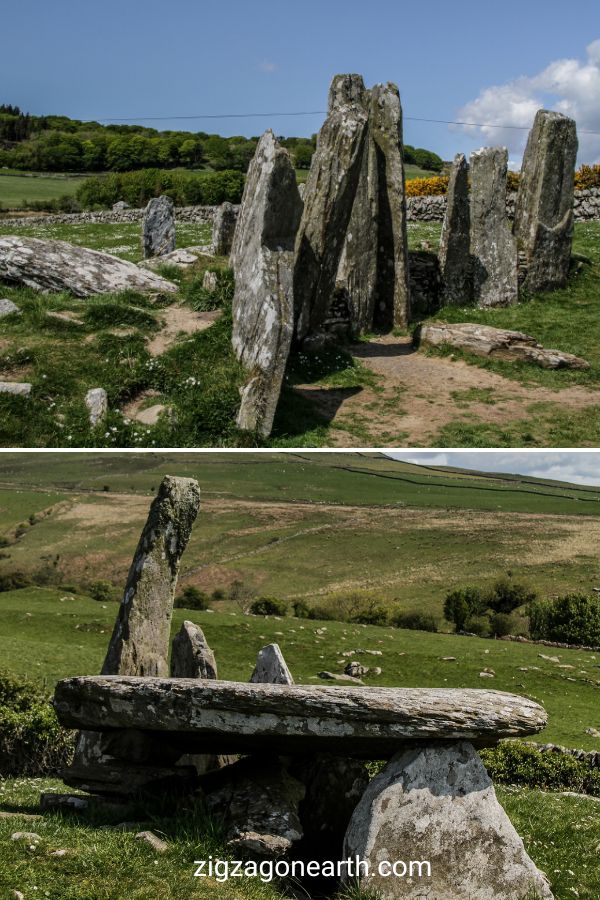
[
  {"x": 73, "y": 802},
  {"x": 499, "y": 343},
  {"x": 183, "y": 258},
  {"x": 262, "y": 261},
  {"x": 18, "y": 388},
  {"x": 96, "y": 401},
  {"x": 258, "y": 801},
  {"x": 455, "y": 244},
  {"x": 59, "y": 266},
  {"x": 544, "y": 210},
  {"x": 191, "y": 657},
  {"x": 437, "y": 803},
  {"x": 8, "y": 308},
  {"x": 224, "y": 229},
  {"x": 271, "y": 667},
  {"x": 329, "y": 199},
  {"x": 158, "y": 227},
  {"x": 210, "y": 281},
  {"x": 154, "y": 842},
  {"x": 493, "y": 247},
  {"x": 235, "y": 717}
]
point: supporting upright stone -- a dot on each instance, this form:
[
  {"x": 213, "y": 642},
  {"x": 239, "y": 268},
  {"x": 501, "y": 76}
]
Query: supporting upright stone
[
  {"x": 158, "y": 227},
  {"x": 385, "y": 129},
  {"x": 271, "y": 667},
  {"x": 329, "y": 199},
  {"x": 455, "y": 244},
  {"x": 223, "y": 229},
  {"x": 436, "y": 804},
  {"x": 493, "y": 247},
  {"x": 544, "y": 211},
  {"x": 262, "y": 261},
  {"x": 191, "y": 657}
]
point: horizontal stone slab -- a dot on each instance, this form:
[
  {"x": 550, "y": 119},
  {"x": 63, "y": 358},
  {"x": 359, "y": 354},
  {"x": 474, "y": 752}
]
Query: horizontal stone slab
[{"x": 231, "y": 717}]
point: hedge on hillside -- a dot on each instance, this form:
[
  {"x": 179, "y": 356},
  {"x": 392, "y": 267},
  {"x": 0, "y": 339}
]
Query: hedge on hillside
[
  {"x": 184, "y": 188},
  {"x": 513, "y": 762}
]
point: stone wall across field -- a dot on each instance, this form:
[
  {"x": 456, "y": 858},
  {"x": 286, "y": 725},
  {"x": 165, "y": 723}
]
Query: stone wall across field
[{"x": 419, "y": 209}]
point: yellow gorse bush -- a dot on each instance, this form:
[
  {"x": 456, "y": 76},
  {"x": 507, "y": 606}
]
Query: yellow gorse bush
[{"x": 586, "y": 177}]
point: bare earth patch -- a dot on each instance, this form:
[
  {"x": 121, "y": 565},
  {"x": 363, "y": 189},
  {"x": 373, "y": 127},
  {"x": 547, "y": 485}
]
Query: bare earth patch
[
  {"x": 418, "y": 396},
  {"x": 177, "y": 320},
  {"x": 140, "y": 409}
]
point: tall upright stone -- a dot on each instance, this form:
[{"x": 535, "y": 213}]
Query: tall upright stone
[
  {"x": 223, "y": 229},
  {"x": 158, "y": 227},
  {"x": 543, "y": 222},
  {"x": 262, "y": 260},
  {"x": 191, "y": 657},
  {"x": 329, "y": 199},
  {"x": 455, "y": 244},
  {"x": 271, "y": 667},
  {"x": 140, "y": 640},
  {"x": 385, "y": 130},
  {"x": 493, "y": 247}
]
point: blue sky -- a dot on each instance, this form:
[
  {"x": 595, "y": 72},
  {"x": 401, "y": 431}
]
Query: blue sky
[
  {"x": 469, "y": 60},
  {"x": 581, "y": 467}
]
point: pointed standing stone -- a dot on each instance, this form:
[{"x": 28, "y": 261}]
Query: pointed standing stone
[
  {"x": 437, "y": 803},
  {"x": 223, "y": 229},
  {"x": 158, "y": 227},
  {"x": 271, "y": 667},
  {"x": 191, "y": 657},
  {"x": 455, "y": 245},
  {"x": 493, "y": 248},
  {"x": 262, "y": 261},
  {"x": 544, "y": 211}
]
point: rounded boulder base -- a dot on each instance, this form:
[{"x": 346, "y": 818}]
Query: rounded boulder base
[{"x": 436, "y": 804}]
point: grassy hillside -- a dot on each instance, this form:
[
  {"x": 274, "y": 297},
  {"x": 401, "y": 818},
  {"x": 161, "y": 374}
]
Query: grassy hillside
[{"x": 16, "y": 190}]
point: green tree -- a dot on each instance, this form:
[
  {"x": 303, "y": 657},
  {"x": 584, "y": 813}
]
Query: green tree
[{"x": 460, "y": 605}]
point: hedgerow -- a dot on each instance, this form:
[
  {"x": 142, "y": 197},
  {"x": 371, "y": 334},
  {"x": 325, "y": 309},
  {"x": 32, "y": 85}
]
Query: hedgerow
[
  {"x": 513, "y": 762},
  {"x": 184, "y": 188}
]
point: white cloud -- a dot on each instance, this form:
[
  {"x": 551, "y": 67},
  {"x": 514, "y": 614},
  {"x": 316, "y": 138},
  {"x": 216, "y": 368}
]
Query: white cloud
[
  {"x": 267, "y": 66},
  {"x": 577, "y": 467},
  {"x": 570, "y": 86}
]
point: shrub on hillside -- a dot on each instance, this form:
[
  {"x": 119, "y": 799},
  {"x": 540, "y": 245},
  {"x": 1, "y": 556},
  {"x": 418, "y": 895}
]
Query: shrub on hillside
[
  {"x": 513, "y": 762},
  {"x": 192, "y": 598},
  {"x": 427, "y": 187},
  {"x": 372, "y": 614},
  {"x": 461, "y": 605},
  {"x": 14, "y": 581},
  {"x": 102, "y": 591},
  {"x": 502, "y": 624},
  {"x": 301, "y": 609},
  {"x": 268, "y": 606},
  {"x": 572, "y": 619},
  {"x": 184, "y": 188},
  {"x": 415, "y": 621},
  {"x": 587, "y": 177},
  {"x": 31, "y": 740},
  {"x": 507, "y": 595}
]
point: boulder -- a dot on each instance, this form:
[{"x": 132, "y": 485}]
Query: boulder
[
  {"x": 191, "y": 657},
  {"x": 455, "y": 244},
  {"x": 8, "y": 308},
  {"x": 182, "y": 259},
  {"x": 262, "y": 261},
  {"x": 271, "y": 667},
  {"x": 543, "y": 222},
  {"x": 96, "y": 401},
  {"x": 238, "y": 717},
  {"x": 158, "y": 227},
  {"x": 210, "y": 281},
  {"x": 153, "y": 841},
  {"x": 224, "y": 229},
  {"x": 493, "y": 247},
  {"x": 436, "y": 805},
  {"x": 497, "y": 343},
  {"x": 59, "y": 266}
]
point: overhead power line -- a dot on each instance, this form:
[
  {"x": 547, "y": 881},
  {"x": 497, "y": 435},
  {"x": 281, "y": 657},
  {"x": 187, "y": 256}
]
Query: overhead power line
[{"x": 317, "y": 112}]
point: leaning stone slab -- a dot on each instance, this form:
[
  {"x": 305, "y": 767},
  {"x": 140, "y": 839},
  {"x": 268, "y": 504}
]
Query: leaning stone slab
[
  {"x": 497, "y": 343},
  {"x": 223, "y": 230},
  {"x": 158, "y": 227},
  {"x": 96, "y": 401},
  {"x": 59, "y": 266},
  {"x": 239, "y": 717},
  {"x": 543, "y": 222},
  {"x": 18, "y": 388},
  {"x": 437, "y": 804},
  {"x": 455, "y": 244},
  {"x": 262, "y": 262},
  {"x": 493, "y": 247},
  {"x": 8, "y": 308},
  {"x": 271, "y": 667},
  {"x": 191, "y": 657}
]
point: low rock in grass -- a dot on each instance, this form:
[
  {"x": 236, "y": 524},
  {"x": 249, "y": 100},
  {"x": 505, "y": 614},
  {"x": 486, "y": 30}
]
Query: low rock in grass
[
  {"x": 17, "y": 388},
  {"x": 8, "y": 308},
  {"x": 153, "y": 841},
  {"x": 96, "y": 401}
]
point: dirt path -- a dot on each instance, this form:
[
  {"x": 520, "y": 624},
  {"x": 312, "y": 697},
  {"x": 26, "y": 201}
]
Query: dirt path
[
  {"x": 419, "y": 396},
  {"x": 179, "y": 319}
]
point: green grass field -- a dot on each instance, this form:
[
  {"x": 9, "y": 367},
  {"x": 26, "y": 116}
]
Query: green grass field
[{"x": 16, "y": 188}]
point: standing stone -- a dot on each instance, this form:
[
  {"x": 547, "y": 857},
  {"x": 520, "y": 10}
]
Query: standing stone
[
  {"x": 385, "y": 126},
  {"x": 96, "y": 401},
  {"x": 158, "y": 227},
  {"x": 262, "y": 261},
  {"x": 329, "y": 199},
  {"x": 455, "y": 245},
  {"x": 436, "y": 803},
  {"x": 191, "y": 657},
  {"x": 140, "y": 641},
  {"x": 223, "y": 229},
  {"x": 493, "y": 247},
  {"x": 544, "y": 211},
  {"x": 271, "y": 667}
]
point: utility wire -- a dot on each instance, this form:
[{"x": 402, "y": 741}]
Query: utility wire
[{"x": 317, "y": 112}]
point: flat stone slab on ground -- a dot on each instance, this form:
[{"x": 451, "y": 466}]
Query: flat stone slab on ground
[
  {"x": 499, "y": 343},
  {"x": 18, "y": 388},
  {"x": 230, "y": 717}
]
